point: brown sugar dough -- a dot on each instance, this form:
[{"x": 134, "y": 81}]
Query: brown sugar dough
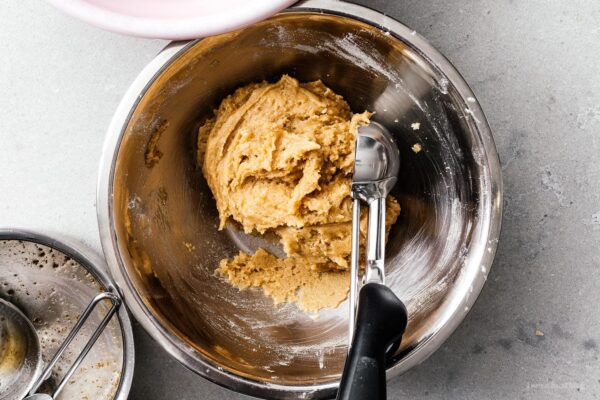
[
  {"x": 315, "y": 275},
  {"x": 281, "y": 279},
  {"x": 279, "y": 156}
]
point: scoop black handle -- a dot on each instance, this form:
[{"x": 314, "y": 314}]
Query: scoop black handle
[{"x": 380, "y": 323}]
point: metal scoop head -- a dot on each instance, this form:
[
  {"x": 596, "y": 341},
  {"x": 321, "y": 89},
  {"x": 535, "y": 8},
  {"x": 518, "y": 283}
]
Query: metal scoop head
[{"x": 376, "y": 162}]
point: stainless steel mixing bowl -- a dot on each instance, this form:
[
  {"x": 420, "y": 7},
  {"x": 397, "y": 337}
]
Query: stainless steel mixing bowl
[{"x": 159, "y": 222}]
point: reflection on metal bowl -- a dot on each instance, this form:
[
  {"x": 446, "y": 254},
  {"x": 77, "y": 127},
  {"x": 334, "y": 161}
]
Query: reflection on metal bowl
[{"x": 159, "y": 223}]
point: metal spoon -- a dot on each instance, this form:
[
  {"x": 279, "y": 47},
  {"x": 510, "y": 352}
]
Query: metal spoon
[
  {"x": 381, "y": 318},
  {"x": 20, "y": 353}
]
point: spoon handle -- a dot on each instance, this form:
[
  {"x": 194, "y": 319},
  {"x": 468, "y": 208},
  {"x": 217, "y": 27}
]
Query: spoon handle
[
  {"x": 354, "y": 266},
  {"x": 376, "y": 241},
  {"x": 380, "y": 323}
]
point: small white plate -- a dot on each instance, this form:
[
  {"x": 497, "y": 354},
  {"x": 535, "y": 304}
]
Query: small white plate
[{"x": 171, "y": 19}]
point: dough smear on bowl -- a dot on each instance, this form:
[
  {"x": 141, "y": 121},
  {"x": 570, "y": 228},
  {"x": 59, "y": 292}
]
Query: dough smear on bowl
[{"x": 279, "y": 157}]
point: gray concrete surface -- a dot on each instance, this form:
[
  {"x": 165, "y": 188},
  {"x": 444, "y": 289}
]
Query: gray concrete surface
[{"x": 535, "y": 67}]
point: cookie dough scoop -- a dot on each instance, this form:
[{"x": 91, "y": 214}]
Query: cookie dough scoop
[{"x": 377, "y": 317}]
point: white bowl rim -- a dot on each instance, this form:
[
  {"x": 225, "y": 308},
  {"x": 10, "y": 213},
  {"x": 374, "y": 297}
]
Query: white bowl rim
[{"x": 193, "y": 27}]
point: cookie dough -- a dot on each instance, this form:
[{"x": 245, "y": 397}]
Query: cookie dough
[
  {"x": 282, "y": 279},
  {"x": 279, "y": 156}
]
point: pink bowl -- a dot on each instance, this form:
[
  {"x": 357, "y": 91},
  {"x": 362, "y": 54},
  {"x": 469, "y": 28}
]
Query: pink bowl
[{"x": 171, "y": 19}]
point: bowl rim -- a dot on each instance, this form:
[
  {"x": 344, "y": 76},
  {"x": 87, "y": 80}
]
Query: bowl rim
[
  {"x": 171, "y": 28},
  {"x": 180, "y": 350}
]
